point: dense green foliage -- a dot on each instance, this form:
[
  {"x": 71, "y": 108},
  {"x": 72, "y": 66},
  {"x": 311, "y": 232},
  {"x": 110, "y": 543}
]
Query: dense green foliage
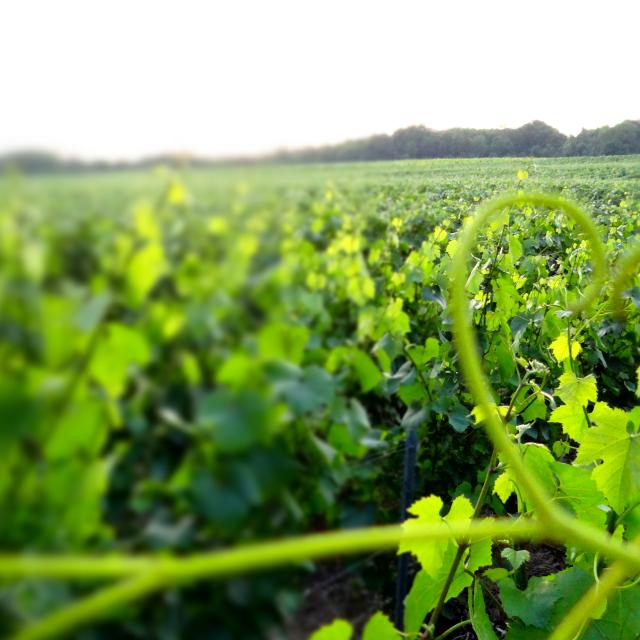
[{"x": 198, "y": 360}]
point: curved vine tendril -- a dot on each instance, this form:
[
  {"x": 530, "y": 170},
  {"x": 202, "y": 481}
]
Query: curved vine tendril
[
  {"x": 464, "y": 335},
  {"x": 480, "y": 387}
]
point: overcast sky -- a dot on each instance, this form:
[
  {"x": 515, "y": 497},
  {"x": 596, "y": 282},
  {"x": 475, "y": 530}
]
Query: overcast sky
[{"x": 127, "y": 78}]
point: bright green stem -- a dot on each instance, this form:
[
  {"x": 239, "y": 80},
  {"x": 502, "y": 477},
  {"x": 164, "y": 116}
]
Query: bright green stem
[
  {"x": 262, "y": 555},
  {"x": 626, "y": 267},
  {"x": 150, "y": 575},
  {"x": 92, "y": 607},
  {"x": 450, "y": 630}
]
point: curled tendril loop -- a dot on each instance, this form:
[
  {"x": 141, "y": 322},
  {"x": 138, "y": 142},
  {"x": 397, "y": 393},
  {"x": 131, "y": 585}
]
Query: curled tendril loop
[{"x": 465, "y": 338}]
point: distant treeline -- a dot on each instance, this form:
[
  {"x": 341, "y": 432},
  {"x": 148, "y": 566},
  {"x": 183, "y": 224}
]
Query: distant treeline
[
  {"x": 536, "y": 139},
  {"x": 44, "y": 162}
]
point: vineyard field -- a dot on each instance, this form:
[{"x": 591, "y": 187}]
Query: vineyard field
[{"x": 195, "y": 360}]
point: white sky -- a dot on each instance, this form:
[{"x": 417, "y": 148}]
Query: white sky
[{"x": 126, "y": 78}]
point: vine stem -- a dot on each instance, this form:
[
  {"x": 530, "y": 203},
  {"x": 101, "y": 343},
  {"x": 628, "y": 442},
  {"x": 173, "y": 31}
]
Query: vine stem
[
  {"x": 450, "y": 630},
  {"x": 625, "y": 268},
  {"x": 149, "y": 575},
  {"x": 262, "y": 555},
  {"x": 461, "y": 547}
]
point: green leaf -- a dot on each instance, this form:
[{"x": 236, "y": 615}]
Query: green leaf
[
  {"x": 480, "y": 555},
  {"x": 459, "y": 418},
  {"x": 478, "y": 613},
  {"x": 436, "y": 558},
  {"x": 279, "y": 341},
  {"x": 387, "y": 349},
  {"x": 544, "y": 602},
  {"x": 577, "y": 391},
  {"x": 580, "y": 493},
  {"x": 515, "y": 248},
  {"x": 560, "y": 348},
  {"x": 426, "y": 589},
  {"x": 503, "y": 486},
  {"x": 621, "y": 620},
  {"x": 92, "y": 313},
  {"x": 121, "y": 348},
  {"x": 368, "y": 374},
  {"x": 573, "y": 420},
  {"x": 515, "y": 558},
  {"x": 495, "y": 574},
  {"x": 533, "y": 605},
  {"x": 431, "y": 349},
  {"x": 421, "y": 355},
  {"x": 536, "y": 410},
  {"x": 235, "y": 420},
  {"x": 539, "y": 462},
  {"x": 429, "y": 554},
  {"x": 519, "y": 631},
  {"x": 336, "y": 630},
  {"x": 83, "y": 429},
  {"x": 237, "y": 370},
  {"x": 379, "y": 627},
  {"x": 308, "y": 390},
  {"x": 504, "y": 359},
  {"x": 146, "y": 267},
  {"x": 618, "y": 477}
]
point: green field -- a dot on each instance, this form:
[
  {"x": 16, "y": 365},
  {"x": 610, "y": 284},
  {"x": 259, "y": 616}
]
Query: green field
[{"x": 197, "y": 359}]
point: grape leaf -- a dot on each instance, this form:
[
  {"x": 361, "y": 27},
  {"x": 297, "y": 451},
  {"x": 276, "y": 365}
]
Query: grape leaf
[
  {"x": 618, "y": 477},
  {"x": 533, "y": 605},
  {"x": 515, "y": 558},
  {"x": 580, "y": 493},
  {"x": 144, "y": 270},
  {"x": 436, "y": 559},
  {"x": 379, "y": 627},
  {"x": 478, "y": 613},
  {"x": 429, "y": 554},
  {"x": 560, "y": 348},
  {"x": 426, "y": 589},
  {"x": 574, "y": 390},
  {"x": 113, "y": 356},
  {"x": 621, "y": 620},
  {"x": 279, "y": 341},
  {"x": 336, "y": 630},
  {"x": 368, "y": 374},
  {"x": 538, "y": 460},
  {"x": 572, "y": 418}
]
